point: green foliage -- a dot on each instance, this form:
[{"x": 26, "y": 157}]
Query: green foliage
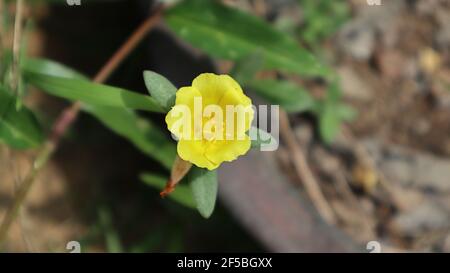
[
  {"x": 244, "y": 70},
  {"x": 201, "y": 193},
  {"x": 50, "y": 68},
  {"x": 221, "y": 32},
  {"x": 228, "y": 33},
  {"x": 161, "y": 89},
  {"x": 329, "y": 122},
  {"x": 125, "y": 122},
  {"x": 322, "y": 18},
  {"x": 260, "y": 137},
  {"x": 289, "y": 96},
  {"x": 345, "y": 112},
  {"x": 18, "y": 128},
  {"x": 5, "y": 66},
  {"x": 204, "y": 186},
  {"x": 92, "y": 93},
  {"x": 332, "y": 113},
  {"x": 145, "y": 135}
]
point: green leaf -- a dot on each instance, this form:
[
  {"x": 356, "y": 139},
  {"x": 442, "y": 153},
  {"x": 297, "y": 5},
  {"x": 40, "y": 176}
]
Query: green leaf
[
  {"x": 345, "y": 112},
  {"x": 146, "y": 136},
  {"x": 182, "y": 193},
  {"x": 50, "y": 68},
  {"x": 260, "y": 138},
  {"x": 204, "y": 187},
  {"x": 329, "y": 122},
  {"x": 92, "y": 93},
  {"x": 18, "y": 128},
  {"x": 225, "y": 32},
  {"x": 20, "y": 86},
  {"x": 5, "y": 65},
  {"x": 329, "y": 113},
  {"x": 245, "y": 69},
  {"x": 160, "y": 88},
  {"x": 321, "y": 19},
  {"x": 289, "y": 96}
]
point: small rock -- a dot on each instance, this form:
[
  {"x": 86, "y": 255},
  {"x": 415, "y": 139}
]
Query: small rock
[
  {"x": 427, "y": 216},
  {"x": 410, "y": 168},
  {"x": 357, "y": 39},
  {"x": 353, "y": 86}
]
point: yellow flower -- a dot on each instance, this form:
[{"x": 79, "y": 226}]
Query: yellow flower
[{"x": 210, "y": 120}]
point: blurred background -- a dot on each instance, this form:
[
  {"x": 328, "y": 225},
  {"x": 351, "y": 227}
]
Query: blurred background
[{"x": 384, "y": 176}]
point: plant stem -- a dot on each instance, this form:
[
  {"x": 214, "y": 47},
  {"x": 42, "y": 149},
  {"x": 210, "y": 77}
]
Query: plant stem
[
  {"x": 68, "y": 116},
  {"x": 16, "y": 46},
  {"x": 2, "y": 29}
]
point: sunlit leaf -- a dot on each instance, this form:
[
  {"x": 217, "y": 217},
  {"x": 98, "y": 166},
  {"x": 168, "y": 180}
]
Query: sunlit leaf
[
  {"x": 92, "y": 93},
  {"x": 146, "y": 136},
  {"x": 225, "y": 32},
  {"x": 50, "y": 68}
]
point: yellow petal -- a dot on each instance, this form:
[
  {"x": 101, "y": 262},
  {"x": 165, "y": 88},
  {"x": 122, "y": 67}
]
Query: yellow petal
[
  {"x": 223, "y": 150},
  {"x": 239, "y": 117},
  {"x": 220, "y": 90},
  {"x": 184, "y": 97},
  {"x": 213, "y": 87},
  {"x": 194, "y": 152},
  {"x": 224, "y": 90}
]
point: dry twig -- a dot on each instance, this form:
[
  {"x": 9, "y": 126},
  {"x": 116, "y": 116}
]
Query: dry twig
[{"x": 303, "y": 170}]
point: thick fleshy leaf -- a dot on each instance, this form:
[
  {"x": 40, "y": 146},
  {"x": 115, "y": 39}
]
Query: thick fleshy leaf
[
  {"x": 160, "y": 88},
  {"x": 226, "y": 32},
  {"x": 146, "y": 136},
  {"x": 182, "y": 194},
  {"x": 289, "y": 96},
  {"x": 18, "y": 128},
  {"x": 204, "y": 187},
  {"x": 92, "y": 93}
]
